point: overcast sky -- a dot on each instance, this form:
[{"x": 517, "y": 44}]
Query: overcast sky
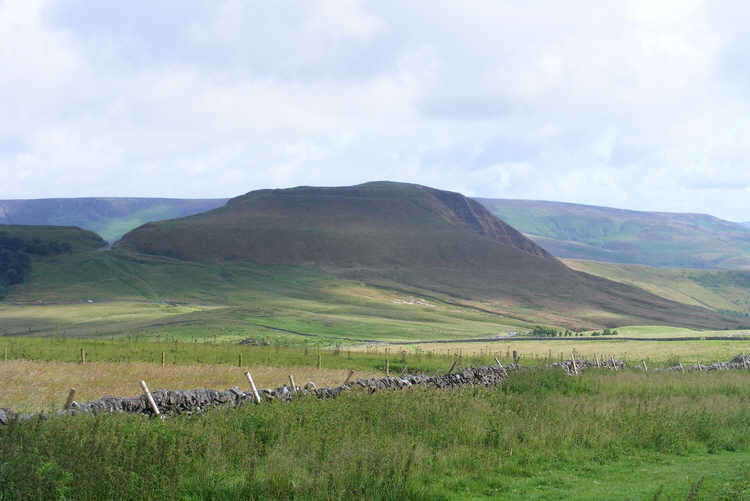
[{"x": 642, "y": 105}]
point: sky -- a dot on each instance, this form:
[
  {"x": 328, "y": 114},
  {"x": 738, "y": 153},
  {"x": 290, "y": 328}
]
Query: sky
[{"x": 632, "y": 104}]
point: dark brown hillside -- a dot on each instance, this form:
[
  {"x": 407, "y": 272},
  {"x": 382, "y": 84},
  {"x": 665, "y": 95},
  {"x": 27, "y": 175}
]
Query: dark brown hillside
[{"x": 410, "y": 234}]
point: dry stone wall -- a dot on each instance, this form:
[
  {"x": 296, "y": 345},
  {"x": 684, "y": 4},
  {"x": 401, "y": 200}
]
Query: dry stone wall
[{"x": 177, "y": 402}]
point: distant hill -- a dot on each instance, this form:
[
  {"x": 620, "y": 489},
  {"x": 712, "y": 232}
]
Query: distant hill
[
  {"x": 408, "y": 234},
  {"x": 625, "y": 236},
  {"x": 109, "y": 217}
]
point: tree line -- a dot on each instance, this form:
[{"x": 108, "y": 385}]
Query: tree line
[{"x": 540, "y": 331}]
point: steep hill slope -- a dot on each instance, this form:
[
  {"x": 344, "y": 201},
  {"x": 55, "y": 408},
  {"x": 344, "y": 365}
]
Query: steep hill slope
[
  {"x": 624, "y": 236},
  {"x": 412, "y": 235},
  {"x": 109, "y": 217}
]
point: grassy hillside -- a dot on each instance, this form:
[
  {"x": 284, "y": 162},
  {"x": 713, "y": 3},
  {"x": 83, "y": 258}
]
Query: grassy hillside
[
  {"x": 109, "y": 217},
  {"x": 221, "y": 302},
  {"x": 727, "y": 291},
  {"x": 623, "y": 236},
  {"x": 411, "y": 235},
  {"x": 20, "y": 245}
]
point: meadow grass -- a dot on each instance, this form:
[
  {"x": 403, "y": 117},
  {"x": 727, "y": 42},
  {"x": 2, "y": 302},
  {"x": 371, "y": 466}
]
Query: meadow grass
[
  {"x": 33, "y": 386},
  {"x": 126, "y": 351},
  {"x": 542, "y": 435}
]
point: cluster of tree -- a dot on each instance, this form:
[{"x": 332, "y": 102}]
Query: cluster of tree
[
  {"x": 550, "y": 332},
  {"x": 605, "y": 332},
  {"x": 15, "y": 256}
]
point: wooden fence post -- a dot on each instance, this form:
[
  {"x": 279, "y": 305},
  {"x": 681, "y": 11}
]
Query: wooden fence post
[
  {"x": 452, "y": 366},
  {"x": 573, "y": 361},
  {"x": 69, "y": 400},
  {"x": 351, "y": 373},
  {"x": 252, "y": 385},
  {"x": 505, "y": 373},
  {"x": 150, "y": 399},
  {"x": 294, "y": 386},
  {"x": 83, "y": 356},
  {"x": 645, "y": 368},
  {"x": 682, "y": 369},
  {"x": 239, "y": 360},
  {"x": 614, "y": 365},
  {"x": 515, "y": 358},
  {"x": 162, "y": 359}
]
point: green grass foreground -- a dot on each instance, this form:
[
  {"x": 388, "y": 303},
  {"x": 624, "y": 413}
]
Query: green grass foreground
[{"x": 543, "y": 435}]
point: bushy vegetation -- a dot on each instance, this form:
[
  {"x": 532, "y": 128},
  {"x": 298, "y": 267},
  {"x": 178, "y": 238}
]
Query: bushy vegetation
[
  {"x": 542, "y": 435},
  {"x": 540, "y": 331},
  {"x": 15, "y": 257}
]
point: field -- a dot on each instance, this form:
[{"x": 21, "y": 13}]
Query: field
[
  {"x": 659, "y": 352},
  {"x": 542, "y": 435}
]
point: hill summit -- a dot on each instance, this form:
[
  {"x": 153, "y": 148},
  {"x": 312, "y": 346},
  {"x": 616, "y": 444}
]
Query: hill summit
[
  {"x": 411, "y": 235},
  {"x": 373, "y": 224}
]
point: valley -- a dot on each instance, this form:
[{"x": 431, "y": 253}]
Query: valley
[{"x": 372, "y": 280}]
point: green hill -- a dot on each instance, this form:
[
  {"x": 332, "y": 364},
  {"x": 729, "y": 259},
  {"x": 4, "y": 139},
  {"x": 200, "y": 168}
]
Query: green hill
[
  {"x": 80, "y": 240},
  {"x": 625, "y": 236},
  {"x": 20, "y": 245},
  {"x": 109, "y": 217},
  {"x": 410, "y": 235}
]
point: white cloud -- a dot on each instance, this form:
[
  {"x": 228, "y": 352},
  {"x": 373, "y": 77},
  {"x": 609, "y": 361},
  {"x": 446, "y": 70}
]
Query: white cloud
[{"x": 636, "y": 104}]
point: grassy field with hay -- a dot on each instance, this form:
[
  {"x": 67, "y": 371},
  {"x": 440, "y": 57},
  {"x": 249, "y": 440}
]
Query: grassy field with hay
[
  {"x": 660, "y": 352},
  {"x": 35, "y": 386},
  {"x": 542, "y": 435}
]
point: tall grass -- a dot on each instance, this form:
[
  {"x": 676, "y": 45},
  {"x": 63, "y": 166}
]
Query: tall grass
[{"x": 416, "y": 444}]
